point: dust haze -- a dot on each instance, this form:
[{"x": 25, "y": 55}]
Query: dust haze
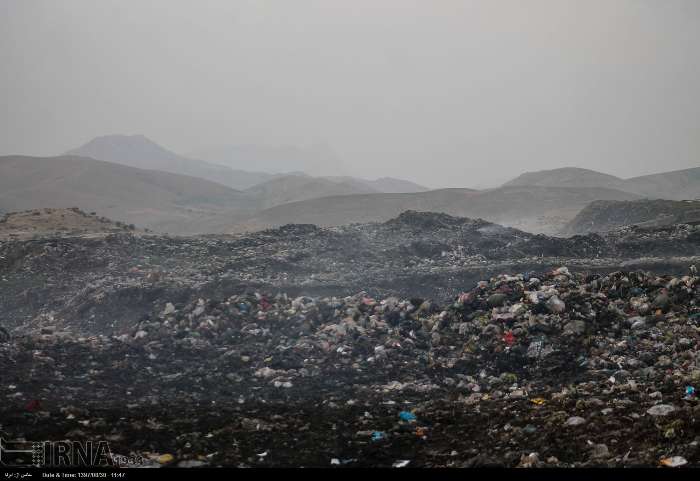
[
  {"x": 445, "y": 94},
  {"x": 350, "y": 233}
]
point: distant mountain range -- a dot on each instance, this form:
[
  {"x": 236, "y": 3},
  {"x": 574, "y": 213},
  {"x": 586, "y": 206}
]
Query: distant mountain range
[
  {"x": 136, "y": 181},
  {"x": 387, "y": 185},
  {"x": 154, "y": 199},
  {"x": 293, "y": 188},
  {"x": 544, "y": 201},
  {"x": 537, "y": 209},
  {"x": 675, "y": 185},
  {"x": 161, "y": 201},
  {"x": 141, "y": 152},
  {"x": 319, "y": 160}
]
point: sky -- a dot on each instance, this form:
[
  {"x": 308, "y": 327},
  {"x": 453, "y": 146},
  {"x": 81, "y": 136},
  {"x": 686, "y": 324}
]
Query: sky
[{"x": 445, "y": 93}]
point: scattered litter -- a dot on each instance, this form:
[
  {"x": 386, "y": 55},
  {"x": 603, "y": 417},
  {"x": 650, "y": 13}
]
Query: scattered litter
[
  {"x": 660, "y": 410},
  {"x": 674, "y": 462},
  {"x": 407, "y": 416}
]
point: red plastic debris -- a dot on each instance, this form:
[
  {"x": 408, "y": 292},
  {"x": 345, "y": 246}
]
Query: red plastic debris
[
  {"x": 504, "y": 289},
  {"x": 466, "y": 298},
  {"x": 509, "y": 338},
  {"x": 33, "y": 405}
]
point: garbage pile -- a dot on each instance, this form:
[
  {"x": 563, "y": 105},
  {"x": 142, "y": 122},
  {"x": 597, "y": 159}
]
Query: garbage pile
[
  {"x": 101, "y": 284},
  {"x": 603, "y": 215},
  {"x": 549, "y": 368}
]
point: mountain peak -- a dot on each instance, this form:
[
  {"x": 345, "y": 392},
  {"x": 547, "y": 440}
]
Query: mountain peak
[
  {"x": 139, "y": 151},
  {"x": 566, "y": 177},
  {"x": 124, "y": 148}
]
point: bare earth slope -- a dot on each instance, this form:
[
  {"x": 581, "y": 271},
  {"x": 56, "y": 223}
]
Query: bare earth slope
[
  {"x": 295, "y": 188},
  {"x": 536, "y": 209},
  {"x": 141, "y": 152},
  {"x": 387, "y": 185},
  {"x": 604, "y": 215},
  {"x": 157, "y": 200},
  {"x": 674, "y": 185},
  {"x": 32, "y": 224},
  {"x": 567, "y": 177}
]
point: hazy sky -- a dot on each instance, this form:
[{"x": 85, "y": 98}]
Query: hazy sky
[{"x": 445, "y": 93}]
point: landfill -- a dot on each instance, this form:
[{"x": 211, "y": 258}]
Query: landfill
[{"x": 377, "y": 345}]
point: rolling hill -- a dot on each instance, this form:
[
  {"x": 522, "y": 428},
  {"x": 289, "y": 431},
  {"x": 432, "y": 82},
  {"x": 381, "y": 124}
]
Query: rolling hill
[
  {"x": 566, "y": 177},
  {"x": 540, "y": 202},
  {"x": 141, "y": 152},
  {"x": 294, "y": 188},
  {"x": 387, "y": 185},
  {"x": 537, "y": 209},
  {"x": 160, "y": 201},
  {"x": 317, "y": 160},
  {"x": 605, "y": 215},
  {"x": 674, "y": 185},
  {"x": 48, "y": 222}
]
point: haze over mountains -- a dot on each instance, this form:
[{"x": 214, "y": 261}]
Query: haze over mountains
[
  {"x": 317, "y": 160},
  {"x": 676, "y": 185},
  {"x": 534, "y": 209},
  {"x": 603, "y": 215},
  {"x": 134, "y": 180},
  {"x": 153, "y": 199},
  {"x": 141, "y": 152}
]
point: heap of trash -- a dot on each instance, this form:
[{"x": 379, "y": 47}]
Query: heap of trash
[
  {"x": 540, "y": 368},
  {"x": 102, "y": 283}
]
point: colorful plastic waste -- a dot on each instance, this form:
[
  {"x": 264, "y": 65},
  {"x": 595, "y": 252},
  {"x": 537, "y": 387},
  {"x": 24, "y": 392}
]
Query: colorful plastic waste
[{"x": 407, "y": 416}]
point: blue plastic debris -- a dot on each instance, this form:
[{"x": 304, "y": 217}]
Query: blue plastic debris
[
  {"x": 407, "y": 416},
  {"x": 690, "y": 391},
  {"x": 378, "y": 435},
  {"x": 530, "y": 429}
]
